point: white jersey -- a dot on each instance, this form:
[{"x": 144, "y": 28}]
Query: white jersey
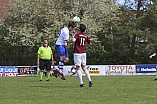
[{"x": 63, "y": 36}]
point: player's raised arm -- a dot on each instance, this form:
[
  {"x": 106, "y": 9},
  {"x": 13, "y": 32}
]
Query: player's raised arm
[
  {"x": 69, "y": 41},
  {"x": 151, "y": 56},
  {"x": 72, "y": 40}
]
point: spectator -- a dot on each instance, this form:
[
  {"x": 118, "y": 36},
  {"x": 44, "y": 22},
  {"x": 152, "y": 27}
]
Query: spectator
[
  {"x": 72, "y": 71},
  {"x": 30, "y": 71}
]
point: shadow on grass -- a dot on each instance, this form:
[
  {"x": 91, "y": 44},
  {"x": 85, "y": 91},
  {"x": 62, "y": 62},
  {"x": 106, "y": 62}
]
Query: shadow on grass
[{"x": 62, "y": 86}]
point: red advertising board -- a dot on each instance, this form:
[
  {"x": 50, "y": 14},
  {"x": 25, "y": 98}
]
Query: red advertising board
[{"x": 23, "y": 70}]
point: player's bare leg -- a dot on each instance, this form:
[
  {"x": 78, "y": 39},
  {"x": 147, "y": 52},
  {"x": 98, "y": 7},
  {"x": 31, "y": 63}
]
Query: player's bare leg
[{"x": 66, "y": 60}]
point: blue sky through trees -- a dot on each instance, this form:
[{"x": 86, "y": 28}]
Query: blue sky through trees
[{"x": 132, "y": 4}]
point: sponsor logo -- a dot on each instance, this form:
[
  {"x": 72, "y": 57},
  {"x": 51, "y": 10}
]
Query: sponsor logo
[
  {"x": 11, "y": 69},
  {"x": 92, "y": 70},
  {"x": 23, "y": 70},
  {"x": 1, "y": 74},
  {"x": 8, "y": 71},
  {"x": 138, "y": 70},
  {"x": 120, "y": 70},
  {"x": 10, "y": 74},
  {"x": 1, "y": 70},
  {"x": 145, "y": 68},
  {"x": 120, "y": 67}
]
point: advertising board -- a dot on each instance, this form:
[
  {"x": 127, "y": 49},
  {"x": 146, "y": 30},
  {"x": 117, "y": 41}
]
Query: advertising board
[
  {"x": 120, "y": 70},
  {"x": 94, "y": 70},
  {"x": 9, "y": 71},
  {"x": 146, "y": 69},
  {"x": 1, "y": 71}
]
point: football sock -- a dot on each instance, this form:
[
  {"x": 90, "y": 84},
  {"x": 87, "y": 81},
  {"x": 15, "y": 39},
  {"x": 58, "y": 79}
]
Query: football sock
[
  {"x": 156, "y": 75},
  {"x": 61, "y": 64},
  {"x": 41, "y": 75},
  {"x": 60, "y": 71},
  {"x": 88, "y": 75},
  {"x": 79, "y": 74},
  {"x": 48, "y": 75}
]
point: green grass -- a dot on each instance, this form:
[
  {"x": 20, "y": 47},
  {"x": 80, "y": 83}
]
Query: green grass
[{"x": 105, "y": 90}]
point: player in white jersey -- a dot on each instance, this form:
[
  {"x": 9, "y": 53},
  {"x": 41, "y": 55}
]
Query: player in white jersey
[{"x": 61, "y": 43}]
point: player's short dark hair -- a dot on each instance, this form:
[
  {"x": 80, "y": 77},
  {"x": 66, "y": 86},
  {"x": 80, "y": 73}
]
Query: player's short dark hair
[
  {"x": 82, "y": 27},
  {"x": 72, "y": 24},
  {"x": 45, "y": 39}
]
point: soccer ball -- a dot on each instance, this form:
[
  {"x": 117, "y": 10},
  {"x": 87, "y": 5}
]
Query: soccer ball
[{"x": 76, "y": 19}]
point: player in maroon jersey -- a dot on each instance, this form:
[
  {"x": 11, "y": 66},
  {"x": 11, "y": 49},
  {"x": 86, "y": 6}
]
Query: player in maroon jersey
[{"x": 80, "y": 40}]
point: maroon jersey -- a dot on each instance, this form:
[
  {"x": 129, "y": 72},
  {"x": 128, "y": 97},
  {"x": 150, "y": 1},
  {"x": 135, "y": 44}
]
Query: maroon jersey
[{"x": 81, "y": 40}]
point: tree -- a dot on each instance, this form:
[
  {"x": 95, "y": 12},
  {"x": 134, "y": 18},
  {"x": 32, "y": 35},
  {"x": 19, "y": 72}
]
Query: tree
[
  {"x": 149, "y": 22},
  {"x": 28, "y": 22}
]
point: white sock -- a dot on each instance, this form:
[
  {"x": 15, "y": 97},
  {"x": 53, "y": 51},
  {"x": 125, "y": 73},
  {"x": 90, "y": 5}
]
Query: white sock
[
  {"x": 79, "y": 74},
  {"x": 87, "y": 75},
  {"x": 61, "y": 71},
  {"x": 60, "y": 66}
]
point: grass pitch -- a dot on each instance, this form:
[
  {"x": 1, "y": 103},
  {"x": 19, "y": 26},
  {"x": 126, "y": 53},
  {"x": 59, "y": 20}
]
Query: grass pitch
[{"x": 105, "y": 90}]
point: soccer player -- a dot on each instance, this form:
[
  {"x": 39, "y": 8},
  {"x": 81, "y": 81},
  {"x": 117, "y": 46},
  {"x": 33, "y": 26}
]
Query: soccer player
[
  {"x": 61, "y": 43},
  {"x": 80, "y": 40},
  {"x": 45, "y": 59},
  {"x": 151, "y": 56}
]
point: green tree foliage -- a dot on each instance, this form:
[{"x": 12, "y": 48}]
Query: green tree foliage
[
  {"x": 149, "y": 23},
  {"x": 137, "y": 36},
  {"x": 29, "y": 21},
  {"x": 117, "y": 38}
]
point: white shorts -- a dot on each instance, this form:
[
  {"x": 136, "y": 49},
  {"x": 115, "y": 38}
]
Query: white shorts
[{"x": 80, "y": 59}]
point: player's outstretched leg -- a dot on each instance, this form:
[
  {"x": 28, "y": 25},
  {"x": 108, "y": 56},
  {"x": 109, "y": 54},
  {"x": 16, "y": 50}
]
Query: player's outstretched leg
[
  {"x": 55, "y": 73},
  {"x": 60, "y": 74}
]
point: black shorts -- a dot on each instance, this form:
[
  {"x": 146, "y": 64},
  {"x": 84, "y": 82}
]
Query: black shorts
[{"x": 45, "y": 64}]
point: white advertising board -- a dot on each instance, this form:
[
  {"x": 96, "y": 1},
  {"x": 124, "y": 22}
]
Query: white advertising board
[
  {"x": 94, "y": 70},
  {"x": 120, "y": 69}
]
